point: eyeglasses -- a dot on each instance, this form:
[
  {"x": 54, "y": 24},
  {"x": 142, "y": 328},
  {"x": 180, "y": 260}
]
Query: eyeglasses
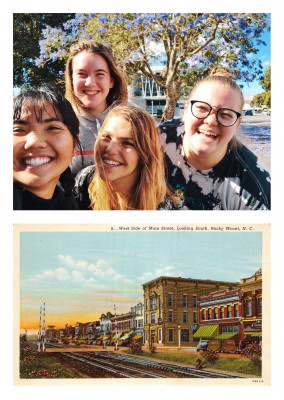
[{"x": 225, "y": 116}]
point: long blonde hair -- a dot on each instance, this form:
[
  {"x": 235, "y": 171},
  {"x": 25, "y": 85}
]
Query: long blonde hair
[
  {"x": 151, "y": 188},
  {"x": 117, "y": 94}
]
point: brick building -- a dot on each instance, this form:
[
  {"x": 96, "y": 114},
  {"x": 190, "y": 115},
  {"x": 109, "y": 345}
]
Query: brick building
[
  {"x": 171, "y": 309},
  {"x": 251, "y": 291},
  {"x": 220, "y": 316}
]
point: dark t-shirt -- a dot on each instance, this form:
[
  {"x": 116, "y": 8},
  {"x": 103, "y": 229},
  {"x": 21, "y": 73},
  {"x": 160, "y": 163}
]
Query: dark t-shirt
[
  {"x": 25, "y": 200},
  {"x": 240, "y": 181}
]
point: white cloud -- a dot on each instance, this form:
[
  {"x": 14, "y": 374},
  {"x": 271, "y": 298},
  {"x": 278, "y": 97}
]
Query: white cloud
[
  {"x": 101, "y": 269},
  {"x": 67, "y": 260},
  {"x": 147, "y": 276},
  {"x": 81, "y": 264},
  {"x": 77, "y": 275},
  {"x": 62, "y": 274},
  {"x": 48, "y": 273}
]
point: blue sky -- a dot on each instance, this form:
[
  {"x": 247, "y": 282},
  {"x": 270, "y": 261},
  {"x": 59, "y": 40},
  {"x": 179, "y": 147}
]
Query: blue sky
[
  {"x": 264, "y": 55},
  {"x": 79, "y": 275}
]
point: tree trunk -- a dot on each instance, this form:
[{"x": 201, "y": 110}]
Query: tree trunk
[{"x": 170, "y": 103}]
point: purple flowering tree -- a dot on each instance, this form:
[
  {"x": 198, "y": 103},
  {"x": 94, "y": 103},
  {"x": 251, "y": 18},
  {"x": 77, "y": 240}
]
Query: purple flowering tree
[{"x": 187, "y": 45}]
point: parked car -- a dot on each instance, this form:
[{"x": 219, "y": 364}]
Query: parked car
[
  {"x": 214, "y": 345},
  {"x": 229, "y": 346},
  {"x": 248, "y": 112},
  {"x": 244, "y": 344},
  {"x": 202, "y": 345},
  {"x": 266, "y": 112}
]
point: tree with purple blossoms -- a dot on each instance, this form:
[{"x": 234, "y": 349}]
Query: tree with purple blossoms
[{"x": 187, "y": 45}]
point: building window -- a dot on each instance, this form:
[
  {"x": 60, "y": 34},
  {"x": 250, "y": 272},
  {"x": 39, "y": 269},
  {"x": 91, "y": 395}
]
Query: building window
[
  {"x": 147, "y": 335},
  {"x": 184, "y": 318},
  {"x": 194, "y": 301},
  {"x": 185, "y": 335},
  {"x": 160, "y": 309},
  {"x": 171, "y": 317},
  {"x": 146, "y": 320},
  {"x": 216, "y": 313},
  {"x": 184, "y": 300},
  {"x": 230, "y": 329},
  {"x": 248, "y": 307},
  {"x": 236, "y": 310},
  {"x": 229, "y": 311},
  {"x": 153, "y": 303},
  {"x": 171, "y": 335},
  {"x": 209, "y": 314},
  {"x": 146, "y": 305},
  {"x": 153, "y": 318},
  {"x": 160, "y": 335},
  {"x": 195, "y": 317},
  {"x": 259, "y": 304},
  {"x": 222, "y": 314},
  {"x": 203, "y": 315},
  {"x": 171, "y": 300}
]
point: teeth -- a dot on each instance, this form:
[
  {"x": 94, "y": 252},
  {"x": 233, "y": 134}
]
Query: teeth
[
  {"x": 110, "y": 162},
  {"x": 208, "y": 133},
  {"x": 91, "y": 92},
  {"x": 37, "y": 161}
]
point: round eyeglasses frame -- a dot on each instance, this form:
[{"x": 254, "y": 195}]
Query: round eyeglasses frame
[{"x": 238, "y": 115}]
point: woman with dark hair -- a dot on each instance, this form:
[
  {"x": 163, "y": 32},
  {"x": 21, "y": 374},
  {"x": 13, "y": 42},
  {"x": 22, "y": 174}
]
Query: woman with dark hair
[
  {"x": 94, "y": 85},
  {"x": 206, "y": 165},
  {"x": 129, "y": 170},
  {"x": 45, "y": 135}
]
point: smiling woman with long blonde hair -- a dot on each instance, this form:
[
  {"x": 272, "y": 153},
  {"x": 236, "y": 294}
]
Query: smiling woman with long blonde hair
[{"x": 129, "y": 169}]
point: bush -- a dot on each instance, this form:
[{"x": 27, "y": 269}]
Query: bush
[
  {"x": 135, "y": 348},
  {"x": 152, "y": 348},
  {"x": 211, "y": 356},
  {"x": 253, "y": 353}
]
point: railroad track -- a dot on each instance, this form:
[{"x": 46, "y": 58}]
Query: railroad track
[{"x": 109, "y": 364}]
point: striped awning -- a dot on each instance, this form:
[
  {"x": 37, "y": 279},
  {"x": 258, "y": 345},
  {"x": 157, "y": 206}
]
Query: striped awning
[
  {"x": 206, "y": 332},
  {"x": 225, "y": 336},
  {"x": 136, "y": 337}
]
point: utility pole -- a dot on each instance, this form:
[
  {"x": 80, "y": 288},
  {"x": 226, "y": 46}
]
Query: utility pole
[
  {"x": 43, "y": 329},
  {"x": 39, "y": 332},
  {"x": 116, "y": 333}
]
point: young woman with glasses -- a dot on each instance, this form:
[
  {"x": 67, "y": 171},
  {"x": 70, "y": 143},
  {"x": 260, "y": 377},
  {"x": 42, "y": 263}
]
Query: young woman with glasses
[{"x": 206, "y": 165}]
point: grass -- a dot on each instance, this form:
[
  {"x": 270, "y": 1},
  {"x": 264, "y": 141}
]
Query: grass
[
  {"x": 234, "y": 365},
  {"x": 42, "y": 363}
]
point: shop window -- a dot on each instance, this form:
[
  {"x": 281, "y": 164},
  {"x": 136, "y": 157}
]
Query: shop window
[{"x": 185, "y": 335}]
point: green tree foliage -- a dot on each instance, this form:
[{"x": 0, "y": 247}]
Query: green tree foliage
[
  {"x": 258, "y": 100},
  {"x": 27, "y": 32},
  {"x": 188, "y": 45},
  {"x": 264, "y": 99}
]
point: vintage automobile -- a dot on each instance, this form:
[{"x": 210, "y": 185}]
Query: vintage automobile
[
  {"x": 214, "y": 344},
  {"x": 202, "y": 345}
]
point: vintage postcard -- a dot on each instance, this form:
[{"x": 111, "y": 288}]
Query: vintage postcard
[{"x": 163, "y": 304}]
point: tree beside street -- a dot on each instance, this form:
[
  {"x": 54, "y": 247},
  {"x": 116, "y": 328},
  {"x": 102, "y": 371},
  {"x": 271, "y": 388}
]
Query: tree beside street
[
  {"x": 186, "y": 45},
  {"x": 263, "y": 99}
]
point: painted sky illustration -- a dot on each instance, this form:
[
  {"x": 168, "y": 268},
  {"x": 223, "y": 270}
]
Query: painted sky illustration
[{"x": 79, "y": 275}]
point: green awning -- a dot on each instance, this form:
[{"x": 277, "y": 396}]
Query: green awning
[
  {"x": 206, "y": 332},
  {"x": 254, "y": 334},
  {"x": 225, "y": 336}
]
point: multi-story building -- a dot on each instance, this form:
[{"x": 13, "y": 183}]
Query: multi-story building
[
  {"x": 50, "y": 332},
  {"x": 251, "y": 291},
  {"x": 137, "y": 324},
  {"x": 220, "y": 316},
  {"x": 171, "y": 309}
]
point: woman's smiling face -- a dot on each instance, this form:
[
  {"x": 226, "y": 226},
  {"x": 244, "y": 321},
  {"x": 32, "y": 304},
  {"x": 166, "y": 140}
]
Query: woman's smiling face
[
  {"x": 91, "y": 80},
  {"x": 119, "y": 157},
  {"x": 206, "y": 141},
  {"x": 42, "y": 150}
]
